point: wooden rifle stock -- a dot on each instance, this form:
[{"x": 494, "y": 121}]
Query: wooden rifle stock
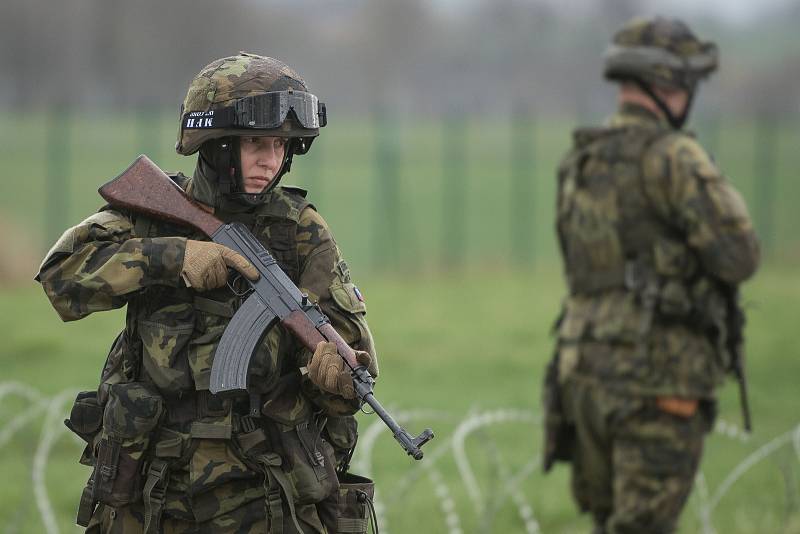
[{"x": 144, "y": 188}]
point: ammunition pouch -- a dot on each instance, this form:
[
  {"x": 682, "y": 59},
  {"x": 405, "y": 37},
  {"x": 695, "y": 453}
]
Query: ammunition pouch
[
  {"x": 297, "y": 435},
  {"x": 310, "y": 462},
  {"x": 132, "y": 412},
  {"x": 297, "y": 463}
]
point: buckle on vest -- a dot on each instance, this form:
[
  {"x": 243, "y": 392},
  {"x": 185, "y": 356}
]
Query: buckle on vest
[
  {"x": 247, "y": 424},
  {"x": 158, "y": 471},
  {"x": 634, "y": 278}
]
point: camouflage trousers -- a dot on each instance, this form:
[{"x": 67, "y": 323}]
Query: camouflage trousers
[
  {"x": 248, "y": 519},
  {"x": 633, "y": 465}
]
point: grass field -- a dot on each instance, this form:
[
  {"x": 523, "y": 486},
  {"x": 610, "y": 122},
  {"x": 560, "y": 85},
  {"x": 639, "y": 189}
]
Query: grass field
[
  {"x": 462, "y": 350},
  {"x": 453, "y": 346}
]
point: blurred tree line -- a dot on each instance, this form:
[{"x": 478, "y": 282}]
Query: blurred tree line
[{"x": 411, "y": 56}]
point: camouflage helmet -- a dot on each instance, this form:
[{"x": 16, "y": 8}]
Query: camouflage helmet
[
  {"x": 248, "y": 95},
  {"x": 659, "y": 51}
]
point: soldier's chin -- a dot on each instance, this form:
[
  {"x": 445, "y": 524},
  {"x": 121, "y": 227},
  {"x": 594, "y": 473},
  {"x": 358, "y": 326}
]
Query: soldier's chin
[{"x": 255, "y": 186}]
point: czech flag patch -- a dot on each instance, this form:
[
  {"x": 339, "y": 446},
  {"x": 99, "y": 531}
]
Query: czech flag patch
[{"x": 359, "y": 296}]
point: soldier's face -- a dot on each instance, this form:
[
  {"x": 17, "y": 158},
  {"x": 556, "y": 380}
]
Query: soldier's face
[
  {"x": 261, "y": 159},
  {"x": 675, "y": 99}
]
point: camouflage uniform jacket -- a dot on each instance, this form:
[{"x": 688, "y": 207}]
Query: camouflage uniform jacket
[
  {"x": 113, "y": 259},
  {"x": 650, "y": 230}
]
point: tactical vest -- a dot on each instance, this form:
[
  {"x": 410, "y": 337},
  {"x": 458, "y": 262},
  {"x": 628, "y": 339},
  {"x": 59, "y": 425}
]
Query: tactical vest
[
  {"x": 615, "y": 241},
  {"x": 606, "y": 225}
]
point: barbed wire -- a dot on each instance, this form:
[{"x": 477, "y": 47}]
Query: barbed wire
[{"x": 52, "y": 409}]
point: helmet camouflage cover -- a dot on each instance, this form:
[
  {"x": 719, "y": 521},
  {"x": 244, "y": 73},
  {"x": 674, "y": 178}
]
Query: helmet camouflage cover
[
  {"x": 224, "y": 82},
  {"x": 660, "y": 51}
]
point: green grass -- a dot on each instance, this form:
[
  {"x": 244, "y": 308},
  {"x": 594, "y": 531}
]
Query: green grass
[{"x": 457, "y": 344}]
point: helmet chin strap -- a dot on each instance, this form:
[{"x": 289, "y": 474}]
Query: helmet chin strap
[{"x": 676, "y": 121}]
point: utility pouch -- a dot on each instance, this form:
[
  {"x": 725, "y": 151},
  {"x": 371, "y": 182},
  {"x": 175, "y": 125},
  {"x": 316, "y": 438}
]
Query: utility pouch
[
  {"x": 350, "y": 509},
  {"x": 559, "y": 434},
  {"x": 132, "y": 412},
  {"x": 310, "y": 462},
  {"x": 85, "y": 420},
  {"x": 674, "y": 263},
  {"x": 164, "y": 342},
  {"x": 342, "y": 433}
]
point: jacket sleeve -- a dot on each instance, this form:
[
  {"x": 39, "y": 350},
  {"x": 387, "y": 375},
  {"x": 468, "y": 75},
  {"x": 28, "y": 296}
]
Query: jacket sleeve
[
  {"x": 325, "y": 277},
  {"x": 687, "y": 187},
  {"x": 97, "y": 265}
]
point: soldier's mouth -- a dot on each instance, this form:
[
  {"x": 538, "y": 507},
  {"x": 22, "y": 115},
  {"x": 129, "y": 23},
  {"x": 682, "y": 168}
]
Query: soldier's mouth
[{"x": 256, "y": 184}]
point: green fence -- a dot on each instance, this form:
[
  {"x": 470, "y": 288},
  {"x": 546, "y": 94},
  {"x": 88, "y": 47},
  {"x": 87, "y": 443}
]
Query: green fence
[{"x": 401, "y": 193}]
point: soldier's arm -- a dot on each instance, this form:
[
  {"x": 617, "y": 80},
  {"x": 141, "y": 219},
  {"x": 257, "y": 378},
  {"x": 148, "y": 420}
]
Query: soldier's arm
[
  {"x": 687, "y": 186},
  {"x": 325, "y": 277},
  {"x": 97, "y": 265}
]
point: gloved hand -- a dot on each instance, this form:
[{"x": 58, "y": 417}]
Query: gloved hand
[
  {"x": 205, "y": 265},
  {"x": 329, "y": 372}
]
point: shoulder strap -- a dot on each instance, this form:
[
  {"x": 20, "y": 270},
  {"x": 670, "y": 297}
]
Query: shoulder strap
[{"x": 649, "y": 142}]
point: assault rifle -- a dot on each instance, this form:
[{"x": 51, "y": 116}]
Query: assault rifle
[
  {"x": 144, "y": 188},
  {"x": 734, "y": 343}
]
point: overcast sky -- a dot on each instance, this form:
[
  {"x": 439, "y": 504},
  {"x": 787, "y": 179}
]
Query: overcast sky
[
  {"x": 738, "y": 11},
  {"x": 734, "y": 11}
]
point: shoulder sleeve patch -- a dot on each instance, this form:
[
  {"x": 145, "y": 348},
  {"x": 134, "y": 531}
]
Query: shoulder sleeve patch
[{"x": 348, "y": 297}]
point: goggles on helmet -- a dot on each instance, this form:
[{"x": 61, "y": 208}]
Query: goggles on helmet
[{"x": 265, "y": 111}]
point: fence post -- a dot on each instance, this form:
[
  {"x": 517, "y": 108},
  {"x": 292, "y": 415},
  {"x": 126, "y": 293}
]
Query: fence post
[
  {"x": 59, "y": 144},
  {"x": 711, "y": 132},
  {"x": 386, "y": 191},
  {"x": 455, "y": 184},
  {"x": 312, "y": 165},
  {"x": 764, "y": 178},
  {"x": 523, "y": 188}
]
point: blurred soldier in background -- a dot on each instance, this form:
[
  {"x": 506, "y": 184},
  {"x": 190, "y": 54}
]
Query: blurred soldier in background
[
  {"x": 655, "y": 241},
  {"x": 167, "y": 454}
]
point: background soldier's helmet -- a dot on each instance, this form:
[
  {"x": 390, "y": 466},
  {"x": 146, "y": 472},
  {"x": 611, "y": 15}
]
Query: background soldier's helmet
[
  {"x": 660, "y": 51},
  {"x": 249, "y": 95}
]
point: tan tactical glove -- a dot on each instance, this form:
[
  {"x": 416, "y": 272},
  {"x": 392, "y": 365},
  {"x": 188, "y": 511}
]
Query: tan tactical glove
[
  {"x": 205, "y": 265},
  {"x": 329, "y": 372}
]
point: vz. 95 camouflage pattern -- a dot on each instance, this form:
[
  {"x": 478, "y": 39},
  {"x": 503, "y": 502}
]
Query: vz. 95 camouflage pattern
[{"x": 144, "y": 188}]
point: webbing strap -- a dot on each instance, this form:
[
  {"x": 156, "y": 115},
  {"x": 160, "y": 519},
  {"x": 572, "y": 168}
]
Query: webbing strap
[
  {"x": 213, "y": 307},
  {"x": 351, "y": 525},
  {"x": 373, "y": 517},
  {"x": 598, "y": 281},
  {"x": 154, "y": 495},
  {"x": 274, "y": 506},
  {"x": 275, "y": 482},
  {"x": 210, "y": 430},
  {"x": 86, "y": 506}
]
